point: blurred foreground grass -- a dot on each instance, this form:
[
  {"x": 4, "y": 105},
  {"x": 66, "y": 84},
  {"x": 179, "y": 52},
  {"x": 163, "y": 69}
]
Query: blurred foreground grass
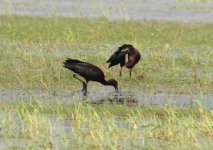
[{"x": 86, "y": 126}]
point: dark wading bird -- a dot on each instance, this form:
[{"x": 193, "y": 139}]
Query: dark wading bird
[
  {"x": 127, "y": 56},
  {"x": 89, "y": 72}
]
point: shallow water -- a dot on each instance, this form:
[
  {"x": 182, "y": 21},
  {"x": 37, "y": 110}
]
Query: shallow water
[
  {"x": 170, "y": 10},
  {"x": 62, "y": 128},
  {"x": 99, "y": 95},
  {"x": 6, "y": 143},
  {"x": 61, "y": 134}
]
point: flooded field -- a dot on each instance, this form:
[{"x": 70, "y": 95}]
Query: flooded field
[
  {"x": 170, "y": 10},
  {"x": 166, "y": 104},
  {"x": 37, "y": 124}
]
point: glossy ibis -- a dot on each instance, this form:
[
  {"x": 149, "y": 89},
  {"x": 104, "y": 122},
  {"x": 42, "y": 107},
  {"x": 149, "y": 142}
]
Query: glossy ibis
[
  {"x": 126, "y": 55},
  {"x": 89, "y": 72}
]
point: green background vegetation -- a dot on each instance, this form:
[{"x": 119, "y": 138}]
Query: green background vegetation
[{"x": 174, "y": 55}]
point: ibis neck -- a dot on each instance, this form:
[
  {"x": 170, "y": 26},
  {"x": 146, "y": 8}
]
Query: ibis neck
[{"x": 104, "y": 82}]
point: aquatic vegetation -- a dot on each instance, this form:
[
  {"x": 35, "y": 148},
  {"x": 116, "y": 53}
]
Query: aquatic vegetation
[{"x": 85, "y": 126}]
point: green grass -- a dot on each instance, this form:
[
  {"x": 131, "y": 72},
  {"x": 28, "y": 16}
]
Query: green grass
[
  {"x": 88, "y": 33},
  {"x": 174, "y": 55},
  {"x": 107, "y": 126}
]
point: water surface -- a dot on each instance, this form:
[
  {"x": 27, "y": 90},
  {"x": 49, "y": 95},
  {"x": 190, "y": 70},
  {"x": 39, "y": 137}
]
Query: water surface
[
  {"x": 99, "y": 95},
  {"x": 169, "y": 10}
]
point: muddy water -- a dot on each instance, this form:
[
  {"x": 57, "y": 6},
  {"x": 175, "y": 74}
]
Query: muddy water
[
  {"x": 101, "y": 94},
  {"x": 170, "y": 10}
]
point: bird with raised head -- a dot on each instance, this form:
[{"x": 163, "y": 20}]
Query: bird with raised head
[
  {"x": 126, "y": 55},
  {"x": 89, "y": 72}
]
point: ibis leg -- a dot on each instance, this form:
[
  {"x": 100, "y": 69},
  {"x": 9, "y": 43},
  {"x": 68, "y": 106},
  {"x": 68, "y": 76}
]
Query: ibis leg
[
  {"x": 83, "y": 82},
  {"x": 120, "y": 71},
  {"x": 130, "y": 72},
  {"x": 85, "y": 86}
]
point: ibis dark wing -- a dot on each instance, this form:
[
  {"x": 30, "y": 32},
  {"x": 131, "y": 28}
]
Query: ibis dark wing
[
  {"x": 69, "y": 60},
  {"x": 84, "y": 69},
  {"x": 118, "y": 57},
  {"x": 71, "y": 64}
]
